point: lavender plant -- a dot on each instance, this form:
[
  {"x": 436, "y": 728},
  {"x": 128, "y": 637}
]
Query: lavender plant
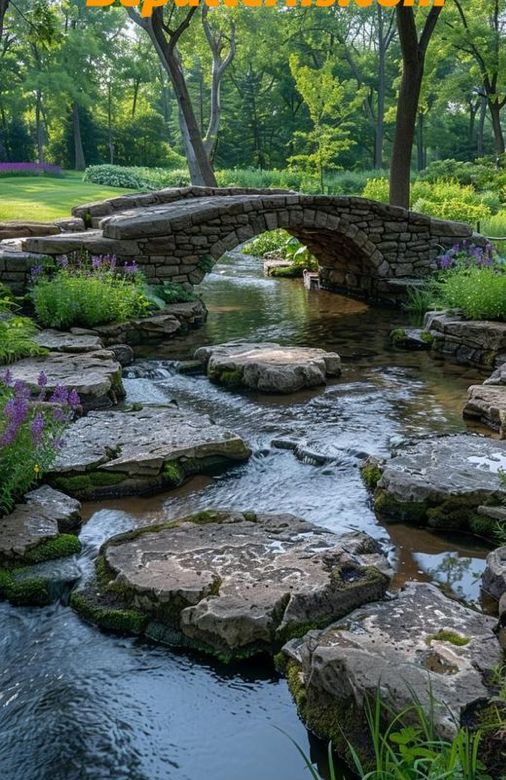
[
  {"x": 30, "y": 434},
  {"x": 87, "y": 291}
]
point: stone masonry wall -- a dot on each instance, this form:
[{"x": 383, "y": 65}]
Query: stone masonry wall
[{"x": 364, "y": 248}]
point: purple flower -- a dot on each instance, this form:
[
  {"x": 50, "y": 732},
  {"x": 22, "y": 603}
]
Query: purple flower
[
  {"x": 59, "y": 395},
  {"x": 62, "y": 261},
  {"x": 38, "y": 424},
  {"x": 42, "y": 380},
  {"x": 36, "y": 271},
  {"x": 131, "y": 268},
  {"x": 96, "y": 262},
  {"x": 6, "y": 379},
  {"x": 73, "y": 399}
]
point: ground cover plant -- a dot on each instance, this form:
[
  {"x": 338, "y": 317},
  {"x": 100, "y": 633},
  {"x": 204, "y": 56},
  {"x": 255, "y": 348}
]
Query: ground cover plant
[
  {"x": 16, "y": 332},
  {"x": 87, "y": 291},
  {"x": 30, "y": 434}
]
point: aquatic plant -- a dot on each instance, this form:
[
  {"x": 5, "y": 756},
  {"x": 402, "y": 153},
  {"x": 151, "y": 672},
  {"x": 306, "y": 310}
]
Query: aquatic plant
[{"x": 30, "y": 433}]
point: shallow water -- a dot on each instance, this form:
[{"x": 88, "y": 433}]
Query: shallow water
[{"x": 76, "y": 703}]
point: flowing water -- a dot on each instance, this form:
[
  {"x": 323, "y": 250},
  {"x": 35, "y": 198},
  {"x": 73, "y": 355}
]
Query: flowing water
[{"x": 76, "y": 703}]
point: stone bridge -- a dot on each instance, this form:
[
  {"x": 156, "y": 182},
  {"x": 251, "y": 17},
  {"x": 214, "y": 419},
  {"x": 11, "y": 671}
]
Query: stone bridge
[{"x": 365, "y": 248}]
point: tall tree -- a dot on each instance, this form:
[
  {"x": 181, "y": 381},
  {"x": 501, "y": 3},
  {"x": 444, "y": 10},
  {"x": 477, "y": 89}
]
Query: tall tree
[
  {"x": 479, "y": 34},
  {"x": 413, "y": 50},
  {"x": 165, "y": 31}
]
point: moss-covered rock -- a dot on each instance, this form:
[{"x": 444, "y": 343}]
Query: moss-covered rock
[{"x": 232, "y": 599}]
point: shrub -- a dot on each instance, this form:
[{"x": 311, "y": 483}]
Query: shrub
[
  {"x": 16, "y": 333},
  {"x": 272, "y": 241},
  {"x": 137, "y": 178},
  {"x": 376, "y": 189},
  {"x": 30, "y": 434},
  {"x": 87, "y": 292}
]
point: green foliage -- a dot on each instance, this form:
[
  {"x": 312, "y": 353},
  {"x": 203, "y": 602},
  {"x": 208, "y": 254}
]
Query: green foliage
[
  {"x": 30, "y": 433},
  {"x": 16, "y": 339},
  {"x": 169, "y": 292},
  {"x": 479, "y": 292},
  {"x": 80, "y": 297},
  {"x": 140, "y": 178},
  {"x": 330, "y": 103},
  {"x": 405, "y": 746},
  {"x": 271, "y": 241},
  {"x": 442, "y": 198}
]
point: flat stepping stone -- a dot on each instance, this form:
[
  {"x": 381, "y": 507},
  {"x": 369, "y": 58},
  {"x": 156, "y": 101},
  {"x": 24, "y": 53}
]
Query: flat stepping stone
[
  {"x": 59, "y": 341},
  {"x": 441, "y": 482},
  {"x": 35, "y": 534},
  {"x": 41, "y": 518},
  {"x": 411, "y": 339},
  {"x": 419, "y": 644},
  {"x": 175, "y": 319},
  {"x": 269, "y": 367},
  {"x": 153, "y": 448},
  {"x": 95, "y": 375},
  {"x": 232, "y": 584}
]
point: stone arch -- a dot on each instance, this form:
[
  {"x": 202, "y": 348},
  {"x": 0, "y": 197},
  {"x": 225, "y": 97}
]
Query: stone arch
[{"x": 348, "y": 260}]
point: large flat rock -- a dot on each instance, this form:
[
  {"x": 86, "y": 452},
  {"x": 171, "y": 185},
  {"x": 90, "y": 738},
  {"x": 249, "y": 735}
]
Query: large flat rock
[
  {"x": 40, "y": 519},
  {"x": 95, "y": 375},
  {"x": 125, "y": 453},
  {"x": 471, "y": 342},
  {"x": 442, "y": 481},
  {"x": 420, "y": 644},
  {"x": 269, "y": 367},
  {"x": 61, "y": 341},
  {"x": 175, "y": 320},
  {"x": 235, "y": 583}
]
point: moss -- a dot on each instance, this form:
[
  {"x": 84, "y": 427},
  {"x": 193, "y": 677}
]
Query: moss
[
  {"x": 483, "y": 526},
  {"x": 251, "y": 517},
  {"x": 287, "y": 272},
  {"x": 29, "y": 591},
  {"x": 454, "y": 513},
  {"x": 446, "y": 635},
  {"x": 229, "y": 377},
  {"x": 427, "y": 337},
  {"x": 80, "y": 484},
  {"x": 111, "y": 618},
  {"x": 60, "y": 547},
  {"x": 173, "y": 472},
  {"x": 397, "y": 336},
  {"x": 387, "y": 504},
  {"x": 371, "y": 473}
]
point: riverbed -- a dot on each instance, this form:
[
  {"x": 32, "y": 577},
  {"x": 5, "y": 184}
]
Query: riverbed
[{"x": 76, "y": 703}]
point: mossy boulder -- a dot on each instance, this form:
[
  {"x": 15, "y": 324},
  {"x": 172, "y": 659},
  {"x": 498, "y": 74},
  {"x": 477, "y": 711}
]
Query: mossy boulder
[
  {"x": 269, "y": 367},
  {"x": 442, "y": 482},
  {"x": 411, "y": 338},
  {"x": 34, "y": 538},
  {"x": 144, "y": 450},
  {"x": 420, "y": 644},
  {"x": 232, "y": 584}
]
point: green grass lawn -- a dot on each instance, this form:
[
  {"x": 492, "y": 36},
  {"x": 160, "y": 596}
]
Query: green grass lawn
[{"x": 43, "y": 198}]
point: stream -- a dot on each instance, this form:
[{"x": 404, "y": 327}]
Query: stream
[{"x": 77, "y": 703}]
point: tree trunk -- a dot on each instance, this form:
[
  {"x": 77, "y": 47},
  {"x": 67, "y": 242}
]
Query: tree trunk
[
  {"x": 79, "y": 159},
  {"x": 380, "y": 116},
  {"x": 109, "y": 124},
  {"x": 219, "y": 66},
  {"x": 4, "y": 4},
  {"x": 413, "y": 62},
  {"x": 495, "y": 113},
  {"x": 481, "y": 126},
  {"x": 420, "y": 144},
  {"x": 407, "y": 107},
  {"x": 39, "y": 127},
  {"x": 201, "y": 171}
]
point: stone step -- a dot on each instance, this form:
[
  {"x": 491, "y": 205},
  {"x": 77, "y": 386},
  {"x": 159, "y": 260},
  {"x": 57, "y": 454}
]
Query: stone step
[{"x": 92, "y": 241}]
